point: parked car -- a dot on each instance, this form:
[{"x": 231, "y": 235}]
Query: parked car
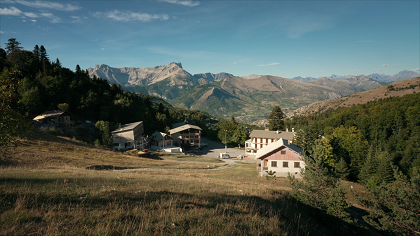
[
  {"x": 224, "y": 156},
  {"x": 204, "y": 144}
]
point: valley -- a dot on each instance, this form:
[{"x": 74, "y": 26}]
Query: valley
[{"x": 248, "y": 98}]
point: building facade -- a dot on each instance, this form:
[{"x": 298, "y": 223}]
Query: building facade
[
  {"x": 57, "y": 117},
  {"x": 280, "y": 157},
  {"x": 261, "y": 138},
  {"x": 129, "y": 136},
  {"x": 161, "y": 140},
  {"x": 186, "y": 135}
]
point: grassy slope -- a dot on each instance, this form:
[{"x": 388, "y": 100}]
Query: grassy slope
[{"x": 46, "y": 189}]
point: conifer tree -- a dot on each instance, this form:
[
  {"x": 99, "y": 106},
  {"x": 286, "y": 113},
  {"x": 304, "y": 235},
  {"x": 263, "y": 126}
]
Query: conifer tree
[
  {"x": 395, "y": 207},
  {"x": 385, "y": 172},
  {"x": 275, "y": 120},
  {"x": 319, "y": 188},
  {"x": 37, "y": 58},
  {"x": 43, "y": 54},
  {"x": 342, "y": 170},
  {"x": 369, "y": 168}
]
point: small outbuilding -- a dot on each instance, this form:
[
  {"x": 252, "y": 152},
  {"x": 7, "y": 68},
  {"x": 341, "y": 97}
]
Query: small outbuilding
[
  {"x": 161, "y": 140},
  {"x": 56, "y": 117}
]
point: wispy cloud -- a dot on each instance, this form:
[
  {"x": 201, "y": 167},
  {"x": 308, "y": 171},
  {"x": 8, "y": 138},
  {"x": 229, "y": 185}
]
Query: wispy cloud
[
  {"x": 418, "y": 69},
  {"x": 271, "y": 64},
  {"x": 13, "y": 11},
  {"x": 187, "y": 3},
  {"x": 130, "y": 16},
  {"x": 52, "y": 17},
  {"x": 388, "y": 65},
  {"x": 78, "y": 19},
  {"x": 45, "y": 5}
]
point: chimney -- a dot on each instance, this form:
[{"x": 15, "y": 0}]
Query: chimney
[
  {"x": 119, "y": 126},
  {"x": 266, "y": 128},
  {"x": 293, "y": 130},
  {"x": 277, "y": 132},
  {"x": 287, "y": 129}
]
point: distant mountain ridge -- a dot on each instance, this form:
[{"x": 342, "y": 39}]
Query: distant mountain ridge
[
  {"x": 405, "y": 74},
  {"x": 396, "y": 89},
  {"x": 248, "y": 98}
]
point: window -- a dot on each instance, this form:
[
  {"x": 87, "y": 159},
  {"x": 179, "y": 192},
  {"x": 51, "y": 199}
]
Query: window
[
  {"x": 283, "y": 152},
  {"x": 285, "y": 164},
  {"x": 297, "y": 164},
  {"x": 273, "y": 163}
]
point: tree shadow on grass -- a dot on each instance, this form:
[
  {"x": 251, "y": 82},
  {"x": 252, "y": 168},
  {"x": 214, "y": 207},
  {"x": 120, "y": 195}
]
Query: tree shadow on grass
[{"x": 244, "y": 213}]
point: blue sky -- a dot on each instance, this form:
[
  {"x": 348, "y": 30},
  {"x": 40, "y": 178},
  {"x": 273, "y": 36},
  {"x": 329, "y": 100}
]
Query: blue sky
[{"x": 281, "y": 38}]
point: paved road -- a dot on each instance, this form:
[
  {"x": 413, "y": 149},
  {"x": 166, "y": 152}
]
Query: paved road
[{"x": 214, "y": 149}]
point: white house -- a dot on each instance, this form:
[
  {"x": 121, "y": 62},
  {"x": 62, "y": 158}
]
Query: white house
[
  {"x": 261, "y": 138},
  {"x": 281, "y": 157}
]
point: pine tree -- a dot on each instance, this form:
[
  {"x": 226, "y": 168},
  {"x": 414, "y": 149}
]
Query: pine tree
[
  {"x": 369, "y": 168},
  {"x": 37, "y": 58},
  {"x": 275, "y": 120},
  {"x": 342, "y": 170},
  {"x": 319, "y": 188},
  {"x": 43, "y": 54},
  {"x": 395, "y": 207},
  {"x": 12, "y": 46},
  {"x": 385, "y": 172}
]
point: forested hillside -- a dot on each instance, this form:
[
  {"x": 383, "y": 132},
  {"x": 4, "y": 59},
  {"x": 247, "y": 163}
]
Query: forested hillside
[
  {"x": 376, "y": 144},
  {"x": 43, "y": 84},
  {"x": 386, "y": 130}
]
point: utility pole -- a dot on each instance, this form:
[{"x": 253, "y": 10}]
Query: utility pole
[{"x": 225, "y": 142}]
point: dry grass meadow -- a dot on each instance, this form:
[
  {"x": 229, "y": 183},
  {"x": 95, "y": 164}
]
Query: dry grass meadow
[{"x": 56, "y": 186}]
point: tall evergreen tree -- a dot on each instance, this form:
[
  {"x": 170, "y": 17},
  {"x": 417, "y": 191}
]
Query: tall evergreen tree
[
  {"x": 275, "y": 120},
  {"x": 369, "y": 168},
  {"x": 319, "y": 188},
  {"x": 12, "y": 46},
  {"x": 395, "y": 207},
  {"x": 342, "y": 170},
  {"x": 37, "y": 58},
  {"x": 43, "y": 53}
]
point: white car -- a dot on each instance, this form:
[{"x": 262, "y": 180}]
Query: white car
[{"x": 224, "y": 156}]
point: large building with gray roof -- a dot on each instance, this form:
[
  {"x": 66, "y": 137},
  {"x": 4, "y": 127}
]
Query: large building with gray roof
[{"x": 261, "y": 138}]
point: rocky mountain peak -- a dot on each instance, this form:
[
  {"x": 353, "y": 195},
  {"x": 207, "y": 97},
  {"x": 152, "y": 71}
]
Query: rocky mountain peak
[{"x": 177, "y": 63}]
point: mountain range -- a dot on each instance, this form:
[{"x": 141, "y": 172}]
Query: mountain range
[
  {"x": 247, "y": 98},
  {"x": 396, "y": 89},
  {"x": 405, "y": 74}
]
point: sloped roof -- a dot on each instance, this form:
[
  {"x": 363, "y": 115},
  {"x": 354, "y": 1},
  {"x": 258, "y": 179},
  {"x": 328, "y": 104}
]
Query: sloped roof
[
  {"x": 276, "y": 145},
  {"x": 272, "y": 134},
  {"x": 157, "y": 136},
  {"x": 184, "y": 127},
  {"x": 127, "y": 127},
  {"x": 51, "y": 114}
]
